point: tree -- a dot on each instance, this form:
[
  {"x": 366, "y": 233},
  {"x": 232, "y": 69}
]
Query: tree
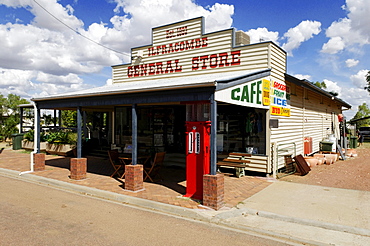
[
  {"x": 69, "y": 118},
  {"x": 323, "y": 86},
  {"x": 362, "y": 112},
  {"x": 10, "y": 114},
  {"x": 367, "y": 76}
]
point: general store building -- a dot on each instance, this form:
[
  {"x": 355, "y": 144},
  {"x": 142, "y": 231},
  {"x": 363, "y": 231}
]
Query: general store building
[{"x": 242, "y": 91}]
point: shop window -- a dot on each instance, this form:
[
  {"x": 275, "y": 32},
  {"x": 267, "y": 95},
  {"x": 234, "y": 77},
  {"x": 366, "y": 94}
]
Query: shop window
[
  {"x": 241, "y": 129},
  {"x": 158, "y": 128}
]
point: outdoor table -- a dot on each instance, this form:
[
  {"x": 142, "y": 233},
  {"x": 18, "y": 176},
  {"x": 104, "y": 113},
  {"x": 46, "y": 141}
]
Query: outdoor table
[{"x": 127, "y": 160}]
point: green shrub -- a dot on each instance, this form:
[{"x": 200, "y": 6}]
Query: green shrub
[
  {"x": 29, "y": 136},
  {"x": 62, "y": 137}
]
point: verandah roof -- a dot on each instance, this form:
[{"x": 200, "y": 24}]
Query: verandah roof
[{"x": 177, "y": 89}]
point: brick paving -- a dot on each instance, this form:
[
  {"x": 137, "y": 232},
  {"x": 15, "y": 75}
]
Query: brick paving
[{"x": 169, "y": 190}]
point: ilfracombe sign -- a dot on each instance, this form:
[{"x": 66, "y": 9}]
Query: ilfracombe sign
[{"x": 223, "y": 59}]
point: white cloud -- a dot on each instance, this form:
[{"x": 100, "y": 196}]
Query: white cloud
[
  {"x": 356, "y": 94},
  {"x": 15, "y": 78},
  {"x": 359, "y": 79},
  {"x": 333, "y": 87},
  {"x": 262, "y": 34},
  {"x": 303, "y": 76},
  {"x": 44, "y": 56},
  {"x": 300, "y": 33},
  {"x": 334, "y": 45},
  {"x": 53, "y": 79},
  {"x": 351, "y": 30},
  {"x": 134, "y": 27},
  {"x": 22, "y": 83},
  {"x": 355, "y": 97},
  {"x": 351, "y": 62}
]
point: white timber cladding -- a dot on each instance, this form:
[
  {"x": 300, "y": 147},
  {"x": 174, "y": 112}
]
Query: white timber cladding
[
  {"x": 181, "y": 49},
  {"x": 311, "y": 115},
  {"x": 277, "y": 61}
]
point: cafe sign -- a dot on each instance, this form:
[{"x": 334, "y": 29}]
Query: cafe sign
[{"x": 263, "y": 93}]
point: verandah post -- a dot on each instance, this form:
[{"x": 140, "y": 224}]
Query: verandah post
[{"x": 213, "y": 183}]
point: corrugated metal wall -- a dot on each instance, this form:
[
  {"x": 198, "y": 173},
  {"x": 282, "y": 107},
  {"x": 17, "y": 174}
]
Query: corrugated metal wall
[{"x": 312, "y": 115}]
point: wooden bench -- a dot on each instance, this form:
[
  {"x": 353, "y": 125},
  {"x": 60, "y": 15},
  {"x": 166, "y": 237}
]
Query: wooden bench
[
  {"x": 243, "y": 161},
  {"x": 237, "y": 161}
]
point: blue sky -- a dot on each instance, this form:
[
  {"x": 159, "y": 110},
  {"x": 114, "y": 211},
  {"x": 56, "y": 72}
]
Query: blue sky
[{"x": 325, "y": 40}]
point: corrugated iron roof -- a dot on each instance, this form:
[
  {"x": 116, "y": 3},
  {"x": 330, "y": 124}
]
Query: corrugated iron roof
[
  {"x": 152, "y": 85},
  {"x": 307, "y": 84}
]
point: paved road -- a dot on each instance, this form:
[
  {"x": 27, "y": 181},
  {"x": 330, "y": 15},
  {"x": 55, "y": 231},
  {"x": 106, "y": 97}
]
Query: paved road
[{"x": 32, "y": 214}]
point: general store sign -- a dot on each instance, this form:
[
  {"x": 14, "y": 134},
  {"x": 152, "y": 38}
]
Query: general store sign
[
  {"x": 181, "y": 49},
  {"x": 263, "y": 93}
]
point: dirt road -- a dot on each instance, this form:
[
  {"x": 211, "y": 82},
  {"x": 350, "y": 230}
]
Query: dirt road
[
  {"x": 31, "y": 214},
  {"x": 353, "y": 173}
]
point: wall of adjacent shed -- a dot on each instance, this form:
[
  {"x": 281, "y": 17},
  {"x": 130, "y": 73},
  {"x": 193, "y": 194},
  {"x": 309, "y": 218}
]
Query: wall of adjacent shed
[{"x": 312, "y": 115}]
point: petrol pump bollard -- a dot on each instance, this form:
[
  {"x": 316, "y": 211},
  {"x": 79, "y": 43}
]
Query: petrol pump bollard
[{"x": 197, "y": 157}]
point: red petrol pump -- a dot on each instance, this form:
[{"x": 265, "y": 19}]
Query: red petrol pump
[{"x": 197, "y": 156}]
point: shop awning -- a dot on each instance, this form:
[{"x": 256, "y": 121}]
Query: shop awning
[
  {"x": 178, "y": 89},
  {"x": 185, "y": 82}
]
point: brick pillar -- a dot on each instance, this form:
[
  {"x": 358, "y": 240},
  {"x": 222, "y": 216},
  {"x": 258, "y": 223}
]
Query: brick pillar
[
  {"x": 213, "y": 191},
  {"x": 38, "y": 161},
  {"x": 134, "y": 177},
  {"x": 78, "y": 168}
]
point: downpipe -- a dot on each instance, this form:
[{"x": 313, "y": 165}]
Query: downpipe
[{"x": 34, "y": 145}]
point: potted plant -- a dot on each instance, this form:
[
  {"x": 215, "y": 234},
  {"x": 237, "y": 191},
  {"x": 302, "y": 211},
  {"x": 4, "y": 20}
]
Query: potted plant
[
  {"x": 61, "y": 143},
  {"x": 28, "y": 140}
]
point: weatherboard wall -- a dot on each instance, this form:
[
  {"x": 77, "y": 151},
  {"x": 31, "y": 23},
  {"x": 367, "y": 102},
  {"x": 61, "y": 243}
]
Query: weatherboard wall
[{"x": 311, "y": 115}]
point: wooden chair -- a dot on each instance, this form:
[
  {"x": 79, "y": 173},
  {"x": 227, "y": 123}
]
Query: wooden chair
[
  {"x": 116, "y": 163},
  {"x": 153, "y": 170}
]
